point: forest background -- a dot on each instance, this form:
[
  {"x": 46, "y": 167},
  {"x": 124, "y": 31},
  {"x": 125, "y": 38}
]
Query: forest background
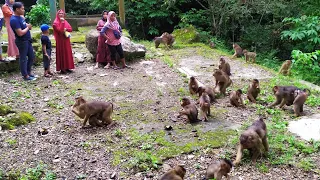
[{"x": 276, "y": 30}]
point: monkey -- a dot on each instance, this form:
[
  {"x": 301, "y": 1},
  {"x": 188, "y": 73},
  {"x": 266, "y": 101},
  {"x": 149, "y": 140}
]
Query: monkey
[
  {"x": 218, "y": 169},
  {"x": 177, "y": 173},
  {"x": 253, "y": 139},
  {"x": 224, "y": 66},
  {"x": 166, "y": 39},
  {"x": 189, "y": 109},
  {"x": 300, "y": 98},
  {"x": 236, "y": 99},
  {"x": 204, "y": 102},
  {"x": 223, "y": 80},
  {"x": 94, "y": 120},
  {"x": 253, "y": 91},
  {"x": 284, "y": 95},
  {"x": 86, "y": 110},
  {"x": 285, "y": 68},
  {"x": 193, "y": 85},
  {"x": 209, "y": 91},
  {"x": 211, "y": 44},
  {"x": 249, "y": 55},
  {"x": 237, "y": 50}
]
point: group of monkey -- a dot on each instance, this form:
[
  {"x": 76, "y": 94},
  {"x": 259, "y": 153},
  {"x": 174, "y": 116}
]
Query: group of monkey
[{"x": 99, "y": 113}]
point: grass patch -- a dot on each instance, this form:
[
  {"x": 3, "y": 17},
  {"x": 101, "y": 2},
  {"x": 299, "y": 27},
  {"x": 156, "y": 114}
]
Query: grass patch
[
  {"x": 39, "y": 172},
  {"x": 12, "y": 120}
]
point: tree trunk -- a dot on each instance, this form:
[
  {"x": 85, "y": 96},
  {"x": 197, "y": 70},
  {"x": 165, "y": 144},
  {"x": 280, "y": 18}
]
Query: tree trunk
[
  {"x": 62, "y": 5},
  {"x": 122, "y": 13},
  {"x": 53, "y": 9}
]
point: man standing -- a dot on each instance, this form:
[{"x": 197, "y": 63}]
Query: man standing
[{"x": 21, "y": 30}]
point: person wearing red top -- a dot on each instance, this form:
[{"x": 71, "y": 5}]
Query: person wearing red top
[
  {"x": 61, "y": 32},
  {"x": 103, "y": 53},
  {"x": 7, "y": 13}
]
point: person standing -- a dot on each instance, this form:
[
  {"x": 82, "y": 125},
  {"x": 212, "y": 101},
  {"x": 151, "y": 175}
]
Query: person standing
[
  {"x": 21, "y": 29},
  {"x": 1, "y": 24},
  {"x": 46, "y": 50},
  {"x": 61, "y": 33},
  {"x": 7, "y": 12},
  {"x": 103, "y": 53},
  {"x": 112, "y": 32}
]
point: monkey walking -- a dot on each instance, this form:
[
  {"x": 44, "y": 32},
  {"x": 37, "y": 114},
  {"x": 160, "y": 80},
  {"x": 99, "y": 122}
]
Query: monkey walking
[
  {"x": 177, "y": 173},
  {"x": 253, "y": 139},
  {"x": 223, "y": 80},
  {"x": 284, "y": 95},
  {"x": 253, "y": 90},
  {"x": 285, "y": 68},
  {"x": 249, "y": 55},
  {"x": 166, "y": 39},
  {"x": 237, "y": 50},
  {"x": 93, "y": 111},
  {"x": 219, "y": 169}
]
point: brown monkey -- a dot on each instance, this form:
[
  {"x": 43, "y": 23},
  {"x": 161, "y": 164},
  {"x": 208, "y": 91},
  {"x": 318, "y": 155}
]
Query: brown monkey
[
  {"x": 285, "y": 68},
  {"x": 218, "y": 169},
  {"x": 86, "y": 110},
  {"x": 300, "y": 98},
  {"x": 236, "y": 99},
  {"x": 253, "y": 91},
  {"x": 253, "y": 139},
  {"x": 209, "y": 91},
  {"x": 189, "y": 109},
  {"x": 94, "y": 120},
  {"x": 237, "y": 50},
  {"x": 177, "y": 173},
  {"x": 224, "y": 66},
  {"x": 223, "y": 80},
  {"x": 249, "y": 55},
  {"x": 204, "y": 102},
  {"x": 166, "y": 39},
  {"x": 193, "y": 85},
  {"x": 284, "y": 95},
  {"x": 211, "y": 44}
]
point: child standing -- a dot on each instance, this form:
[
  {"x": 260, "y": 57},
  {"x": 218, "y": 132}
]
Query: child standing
[{"x": 46, "y": 50}]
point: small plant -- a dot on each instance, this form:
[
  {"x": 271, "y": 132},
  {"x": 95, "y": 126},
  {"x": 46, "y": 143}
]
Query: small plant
[
  {"x": 118, "y": 133},
  {"x": 146, "y": 146},
  {"x": 11, "y": 142},
  {"x": 85, "y": 145},
  {"x": 168, "y": 61},
  {"x": 306, "y": 164},
  {"x": 263, "y": 168}
]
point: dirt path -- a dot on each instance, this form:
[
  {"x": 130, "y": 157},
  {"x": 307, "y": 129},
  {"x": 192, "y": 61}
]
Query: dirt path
[{"x": 146, "y": 99}]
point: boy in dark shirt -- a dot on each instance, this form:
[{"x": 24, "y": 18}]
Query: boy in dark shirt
[{"x": 46, "y": 49}]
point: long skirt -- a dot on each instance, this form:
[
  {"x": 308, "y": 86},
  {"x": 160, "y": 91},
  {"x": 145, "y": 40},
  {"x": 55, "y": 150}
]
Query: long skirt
[
  {"x": 12, "y": 47},
  {"x": 103, "y": 52}
]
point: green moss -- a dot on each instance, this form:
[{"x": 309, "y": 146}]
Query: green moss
[
  {"x": 186, "y": 35},
  {"x": 4, "y": 110},
  {"x": 18, "y": 119}
]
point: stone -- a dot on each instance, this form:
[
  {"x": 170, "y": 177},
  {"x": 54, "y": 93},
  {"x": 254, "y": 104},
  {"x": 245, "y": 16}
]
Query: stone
[
  {"x": 306, "y": 127},
  {"x": 131, "y": 50},
  {"x": 78, "y": 57}
]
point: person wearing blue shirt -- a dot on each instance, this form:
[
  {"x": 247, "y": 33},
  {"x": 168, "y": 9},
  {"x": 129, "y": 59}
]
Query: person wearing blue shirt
[{"x": 23, "y": 40}]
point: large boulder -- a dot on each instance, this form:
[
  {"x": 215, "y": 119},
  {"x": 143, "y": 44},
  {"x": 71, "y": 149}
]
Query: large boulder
[{"x": 131, "y": 49}]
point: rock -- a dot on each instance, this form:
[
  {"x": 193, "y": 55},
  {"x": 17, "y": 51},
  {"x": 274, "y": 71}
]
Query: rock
[
  {"x": 131, "y": 50},
  {"x": 113, "y": 175},
  {"x": 78, "y": 57},
  {"x": 36, "y": 152},
  {"x": 190, "y": 156},
  {"x": 45, "y": 110},
  {"x": 166, "y": 167}
]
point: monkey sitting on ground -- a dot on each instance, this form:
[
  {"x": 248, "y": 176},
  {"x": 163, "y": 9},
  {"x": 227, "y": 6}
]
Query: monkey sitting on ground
[
  {"x": 300, "y": 98},
  {"x": 223, "y": 80},
  {"x": 189, "y": 110},
  {"x": 95, "y": 110},
  {"x": 253, "y": 91},
  {"x": 193, "y": 85},
  {"x": 236, "y": 99},
  {"x": 166, "y": 39},
  {"x": 209, "y": 91},
  {"x": 285, "y": 68},
  {"x": 249, "y": 55},
  {"x": 253, "y": 139},
  {"x": 237, "y": 50},
  {"x": 284, "y": 95},
  {"x": 204, "y": 102},
  {"x": 219, "y": 169},
  {"x": 177, "y": 173},
  {"x": 224, "y": 66}
]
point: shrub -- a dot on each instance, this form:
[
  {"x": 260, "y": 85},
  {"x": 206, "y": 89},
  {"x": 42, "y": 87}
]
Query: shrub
[{"x": 39, "y": 14}]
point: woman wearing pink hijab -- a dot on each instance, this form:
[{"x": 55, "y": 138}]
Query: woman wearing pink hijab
[
  {"x": 64, "y": 58},
  {"x": 112, "y": 32},
  {"x": 7, "y": 13}
]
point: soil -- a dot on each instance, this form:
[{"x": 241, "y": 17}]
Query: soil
[{"x": 145, "y": 99}]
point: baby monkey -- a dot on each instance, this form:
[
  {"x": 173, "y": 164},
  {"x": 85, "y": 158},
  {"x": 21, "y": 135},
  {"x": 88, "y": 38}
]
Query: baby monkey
[
  {"x": 253, "y": 91},
  {"x": 236, "y": 99},
  {"x": 189, "y": 110},
  {"x": 177, "y": 173},
  {"x": 219, "y": 169},
  {"x": 204, "y": 102},
  {"x": 285, "y": 68}
]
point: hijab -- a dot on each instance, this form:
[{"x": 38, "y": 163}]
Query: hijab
[
  {"x": 105, "y": 11},
  {"x": 114, "y": 25},
  {"x": 57, "y": 22},
  {"x": 7, "y": 2}
]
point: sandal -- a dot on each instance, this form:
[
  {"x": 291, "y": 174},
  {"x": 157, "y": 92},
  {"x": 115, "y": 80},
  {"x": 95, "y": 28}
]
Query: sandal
[
  {"x": 47, "y": 75},
  {"x": 116, "y": 67},
  {"x": 107, "y": 66},
  {"x": 126, "y": 66}
]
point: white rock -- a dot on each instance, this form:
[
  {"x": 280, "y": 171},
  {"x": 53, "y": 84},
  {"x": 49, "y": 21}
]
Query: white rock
[{"x": 307, "y": 127}]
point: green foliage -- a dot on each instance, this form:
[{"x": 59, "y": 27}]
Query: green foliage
[
  {"x": 305, "y": 30},
  {"x": 186, "y": 35},
  {"x": 4, "y": 110},
  {"x": 39, "y": 14},
  {"x": 306, "y": 65},
  {"x": 9, "y": 122},
  {"x": 39, "y": 172}
]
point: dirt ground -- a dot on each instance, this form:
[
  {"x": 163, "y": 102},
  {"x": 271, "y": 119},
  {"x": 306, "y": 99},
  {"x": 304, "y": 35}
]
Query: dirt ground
[{"x": 146, "y": 98}]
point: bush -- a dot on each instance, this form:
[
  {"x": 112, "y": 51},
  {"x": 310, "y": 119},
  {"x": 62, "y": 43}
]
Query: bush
[{"x": 39, "y": 14}]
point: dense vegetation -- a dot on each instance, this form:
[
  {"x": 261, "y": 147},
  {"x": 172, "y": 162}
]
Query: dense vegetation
[{"x": 276, "y": 29}]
